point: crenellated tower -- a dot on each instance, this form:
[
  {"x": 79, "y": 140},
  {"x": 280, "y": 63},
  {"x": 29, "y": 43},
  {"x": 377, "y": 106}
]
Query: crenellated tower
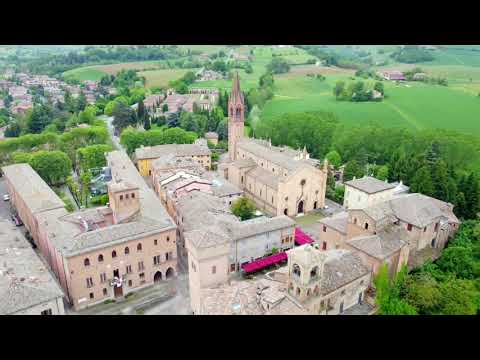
[{"x": 236, "y": 117}]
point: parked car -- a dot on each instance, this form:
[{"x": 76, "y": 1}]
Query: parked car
[
  {"x": 17, "y": 220},
  {"x": 6, "y": 197}
]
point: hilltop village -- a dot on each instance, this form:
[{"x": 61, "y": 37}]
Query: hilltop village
[{"x": 170, "y": 213}]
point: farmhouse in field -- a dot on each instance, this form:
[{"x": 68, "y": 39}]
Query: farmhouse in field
[
  {"x": 207, "y": 75},
  {"x": 392, "y": 75}
]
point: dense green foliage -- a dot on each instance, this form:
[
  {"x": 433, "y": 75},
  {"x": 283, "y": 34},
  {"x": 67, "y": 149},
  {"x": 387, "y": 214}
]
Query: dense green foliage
[
  {"x": 52, "y": 166},
  {"x": 58, "y": 63},
  {"x": 68, "y": 142},
  {"x": 278, "y": 65},
  {"x": 313, "y": 130},
  {"x": 357, "y": 91},
  {"x": 201, "y": 121},
  {"x": 181, "y": 85},
  {"x": 450, "y": 286},
  {"x": 330, "y": 58},
  {"x": 437, "y": 163},
  {"x": 243, "y": 208},
  {"x": 93, "y": 156},
  {"x": 133, "y": 139},
  {"x": 412, "y": 54}
]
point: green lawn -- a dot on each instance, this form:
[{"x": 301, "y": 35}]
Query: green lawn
[
  {"x": 162, "y": 77},
  {"x": 84, "y": 73},
  {"x": 416, "y": 106}
]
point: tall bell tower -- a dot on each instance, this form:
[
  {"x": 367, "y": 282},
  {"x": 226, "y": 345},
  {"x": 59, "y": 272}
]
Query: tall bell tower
[{"x": 236, "y": 117}]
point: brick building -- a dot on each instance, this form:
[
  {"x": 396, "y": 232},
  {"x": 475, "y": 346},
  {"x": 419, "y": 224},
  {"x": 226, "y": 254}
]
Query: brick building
[{"x": 100, "y": 253}]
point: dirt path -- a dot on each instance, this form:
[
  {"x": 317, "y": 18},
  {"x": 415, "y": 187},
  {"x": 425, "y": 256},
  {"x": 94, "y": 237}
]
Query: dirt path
[{"x": 404, "y": 115}]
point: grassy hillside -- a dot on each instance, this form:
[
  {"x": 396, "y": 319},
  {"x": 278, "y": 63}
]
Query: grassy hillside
[
  {"x": 162, "y": 77},
  {"x": 84, "y": 73},
  {"x": 415, "y": 105}
]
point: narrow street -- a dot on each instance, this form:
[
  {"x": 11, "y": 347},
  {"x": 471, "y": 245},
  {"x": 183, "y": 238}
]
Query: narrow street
[{"x": 111, "y": 130}]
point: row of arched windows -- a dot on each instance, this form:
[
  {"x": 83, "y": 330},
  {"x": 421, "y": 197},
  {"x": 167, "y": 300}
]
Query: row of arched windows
[{"x": 86, "y": 261}]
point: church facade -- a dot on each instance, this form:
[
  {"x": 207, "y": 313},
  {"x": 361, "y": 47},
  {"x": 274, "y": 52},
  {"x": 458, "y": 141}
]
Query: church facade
[{"x": 280, "y": 180}]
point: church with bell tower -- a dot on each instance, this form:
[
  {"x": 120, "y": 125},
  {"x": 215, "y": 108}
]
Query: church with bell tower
[
  {"x": 236, "y": 117},
  {"x": 279, "y": 179}
]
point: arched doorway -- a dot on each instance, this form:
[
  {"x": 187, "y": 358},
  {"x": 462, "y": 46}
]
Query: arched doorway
[
  {"x": 285, "y": 212},
  {"x": 157, "y": 277},
  {"x": 300, "y": 207},
  {"x": 170, "y": 273},
  {"x": 315, "y": 205}
]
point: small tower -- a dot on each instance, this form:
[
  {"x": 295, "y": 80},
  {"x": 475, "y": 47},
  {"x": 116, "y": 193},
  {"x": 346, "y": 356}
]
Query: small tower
[
  {"x": 236, "y": 117},
  {"x": 305, "y": 270},
  {"x": 124, "y": 200}
]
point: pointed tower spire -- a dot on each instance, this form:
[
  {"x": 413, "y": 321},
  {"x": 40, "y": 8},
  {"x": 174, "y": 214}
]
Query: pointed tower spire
[
  {"x": 236, "y": 117},
  {"x": 236, "y": 95}
]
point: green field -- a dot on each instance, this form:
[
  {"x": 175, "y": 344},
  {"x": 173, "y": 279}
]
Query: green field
[
  {"x": 162, "y": 77},
  {"x": 95, "y": 72},
  {"x": 414, "y": 105},
  {"x": 84, "y": 73}
]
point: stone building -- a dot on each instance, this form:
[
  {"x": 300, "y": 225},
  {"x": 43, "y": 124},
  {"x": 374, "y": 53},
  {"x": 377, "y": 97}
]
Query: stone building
[
  {"x": 326, "y": 282},
  {"x": 173, "y": 178},
  {"x": 280, "y": 180},
  {"x": 218, "y": 243},
  {"x": 212, "y": 137},
  {"x": 26, "y": 285},
  {"x": 314, "y": 282},
  {"x": 366, "y": 191},
  {"x": 145, "y": 155},
  {"x": 380, "y": 231},
  {"x": 100, "y": 253}
]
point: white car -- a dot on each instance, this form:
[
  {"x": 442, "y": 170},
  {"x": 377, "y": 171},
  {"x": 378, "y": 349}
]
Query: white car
[{"x": 6, "y": 197}]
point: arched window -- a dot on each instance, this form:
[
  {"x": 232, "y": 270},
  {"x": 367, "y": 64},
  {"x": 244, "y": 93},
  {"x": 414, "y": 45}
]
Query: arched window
[
  {"x": 238, "y": 112},
  {"x": 296, "y": 270},
  {"x": 366, "y": 226},
  {"x": 314, "y": 273},
  {"x": 355, "y": 221},
  {"x": 315, "y": 291},
  {"x": 86, "y": 262},
  {"x": 308, "y": 292},
  {"x": 298, "y": 291},
  {"x": 285, "y": 212},
  {"x": 100, "y": 258},
  {"x": 139, "y": 247},
  {"x": 114, "y": 254},
  {"x": 127, "y": 251}
]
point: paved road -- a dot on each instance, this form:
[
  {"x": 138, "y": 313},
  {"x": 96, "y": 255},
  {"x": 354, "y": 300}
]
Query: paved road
[
  {"x": 4, "y": 205},
  {"x": 333, "y": 208},
  {"x": 111, "y": 130}
]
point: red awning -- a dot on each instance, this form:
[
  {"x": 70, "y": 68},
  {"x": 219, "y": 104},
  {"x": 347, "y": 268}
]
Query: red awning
[
  {"x": 263, "y": 263},
  {"x": 301, "y": 238}
]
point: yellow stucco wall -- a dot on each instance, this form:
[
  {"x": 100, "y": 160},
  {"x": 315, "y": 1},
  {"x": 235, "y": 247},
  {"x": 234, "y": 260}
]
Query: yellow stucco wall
[{"x": 144, "y": 166}]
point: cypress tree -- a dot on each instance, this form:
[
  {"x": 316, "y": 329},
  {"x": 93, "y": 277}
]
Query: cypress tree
[{"x": 422, "y": 182}]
